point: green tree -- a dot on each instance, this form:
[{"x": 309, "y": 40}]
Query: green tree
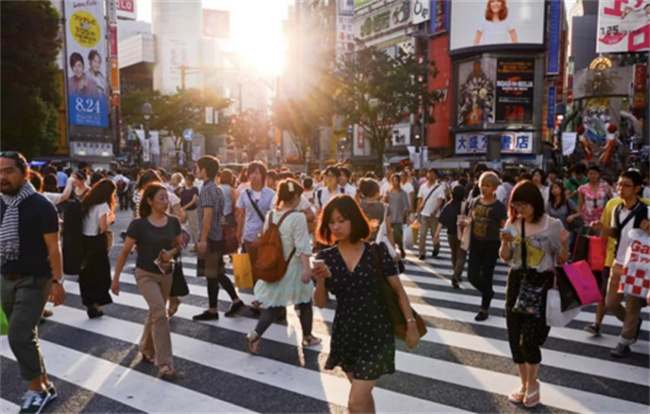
[
  {"x": 301, "y": 119},
  {"x": 30, "y": 77},
  {"x": 251, "y": 132},
  {"x": 377, "y": 91}
]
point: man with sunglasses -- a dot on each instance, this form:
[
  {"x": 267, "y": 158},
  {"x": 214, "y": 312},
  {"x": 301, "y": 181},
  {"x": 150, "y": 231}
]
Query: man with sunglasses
[
  {"x": 31, "y": 269},
  {"x": 621, "y": 214}
]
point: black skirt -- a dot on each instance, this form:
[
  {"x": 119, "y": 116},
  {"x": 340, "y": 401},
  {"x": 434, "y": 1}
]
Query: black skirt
[{"x": 95, "y": 274}]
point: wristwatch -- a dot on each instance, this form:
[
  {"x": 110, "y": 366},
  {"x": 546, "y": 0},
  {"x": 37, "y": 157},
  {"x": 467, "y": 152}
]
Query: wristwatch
[
  {"x": 411, "y": 320},
  {"x": 58, "y": 281}
]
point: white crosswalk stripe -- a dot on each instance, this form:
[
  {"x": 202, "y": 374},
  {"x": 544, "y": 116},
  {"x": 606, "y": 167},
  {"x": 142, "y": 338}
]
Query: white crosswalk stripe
[{"x": 460, "y": 365}]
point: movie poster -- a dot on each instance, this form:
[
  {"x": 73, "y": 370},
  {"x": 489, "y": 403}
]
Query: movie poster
[
  {"x": 476, "y": 92},
  {"x": 515, "y": 90}
]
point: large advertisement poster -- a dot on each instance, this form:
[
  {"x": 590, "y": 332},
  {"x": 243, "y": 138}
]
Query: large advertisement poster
[
  {"x": 86, "y": 63},
  {"x": 477, "y": 23},
  {"x": 623, "y": 26},
  {"x": 476, "y": 92},
  {"x": 515, "y": 90},
  {"x": 178, "y": 53}
]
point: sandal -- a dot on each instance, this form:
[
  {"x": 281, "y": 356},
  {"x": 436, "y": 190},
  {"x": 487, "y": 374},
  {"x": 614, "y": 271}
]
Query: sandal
[
  {"x": 253, "y": 343},
  {"x": 517, "y": 396},
  {"x": 150, "y": 359},
  {"x": 173, "y": 306},
  {"x": 166, "y": 371},
  {"x": 531, "y": 400},
  {"x": 311, "y": 341}
]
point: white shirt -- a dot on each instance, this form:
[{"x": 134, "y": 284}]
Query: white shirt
[
  {"x": 55, "y": 198},
  {"x": 408, "y": 189},
  {"x": 493, "y": 33},
  {"x": 92, "y": 219},
  {"x": 325, "y": 196},
  {"x": 384, "y": 187},
  {"x": 349, "y": 190},
  {"x": 646, "y": 192},
  {"x": 624, "y": 238},
  {"x": 119, "y": 178},
  {"x": 431, "y": 205}
]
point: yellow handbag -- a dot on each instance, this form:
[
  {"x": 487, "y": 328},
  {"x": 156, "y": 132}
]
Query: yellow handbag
[
  {"x": 242, "y": 270},
  {"x": 415, "y": 228}
]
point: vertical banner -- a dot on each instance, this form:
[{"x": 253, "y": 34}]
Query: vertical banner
[
  {"x": 344, "y": 27},
  {"x": 361, "y": 142},
  {"x": 515, "y": 90},
  {"x": 439, "y": 10},
  {"x": 640, "y": 76},
  {"x": 554, "y": 37},
  {"x": 85, "y": 32},
  {"x": 550, "y": 109}
]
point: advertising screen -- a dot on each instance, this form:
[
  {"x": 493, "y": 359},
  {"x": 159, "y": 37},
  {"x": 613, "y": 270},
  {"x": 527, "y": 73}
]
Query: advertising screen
[
  {"x": 477, "y": 23},
  {"x": 623, "y": 26},
  {"x": 86, "y": 63},
  {"x": 515, "y": 90},
  {"x": 476, "y": 92}
]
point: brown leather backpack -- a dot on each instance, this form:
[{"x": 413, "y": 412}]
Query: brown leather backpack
[{"x": 270, "y": 265}]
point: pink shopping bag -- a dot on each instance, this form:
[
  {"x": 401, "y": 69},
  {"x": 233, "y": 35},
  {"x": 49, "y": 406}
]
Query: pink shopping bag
[
  {"x": 597, "y": 253},
  {"x": 583, "y": 281}
]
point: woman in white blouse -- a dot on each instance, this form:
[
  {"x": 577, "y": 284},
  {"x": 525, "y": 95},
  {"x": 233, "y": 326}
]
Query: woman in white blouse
[{"x": 95, "y": 275}]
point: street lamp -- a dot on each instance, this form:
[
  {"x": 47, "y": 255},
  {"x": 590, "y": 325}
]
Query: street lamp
[{"x": 147, "y": 112}]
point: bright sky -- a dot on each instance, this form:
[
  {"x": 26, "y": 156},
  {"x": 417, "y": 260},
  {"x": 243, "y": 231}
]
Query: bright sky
[{"x": 255, "y": 28}]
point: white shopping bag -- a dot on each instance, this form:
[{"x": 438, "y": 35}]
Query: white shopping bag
[
  {"x": 554, "y": 314},
  {"x": 407, "y": 232}
]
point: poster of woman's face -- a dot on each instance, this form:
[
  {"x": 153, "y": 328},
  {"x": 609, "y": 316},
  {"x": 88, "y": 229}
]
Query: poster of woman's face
[{"x": 477, "y": 23}]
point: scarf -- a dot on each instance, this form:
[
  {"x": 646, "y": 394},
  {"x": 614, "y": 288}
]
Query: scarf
[{"x": 9, "y": 238}]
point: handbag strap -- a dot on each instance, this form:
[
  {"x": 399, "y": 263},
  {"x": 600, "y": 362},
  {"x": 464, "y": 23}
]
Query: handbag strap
[
  {"x": 524, "y": 250},
  {"x": 259, "y": 213},
  {"x": 375, "y": 256}
]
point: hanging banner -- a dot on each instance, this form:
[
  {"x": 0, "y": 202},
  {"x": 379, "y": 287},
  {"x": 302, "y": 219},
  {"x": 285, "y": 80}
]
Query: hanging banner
[
  {"x": 550, "y": 108},
  {"x": 623, "y": 26},
  {"x": 515, "y": 90},
  {"x": 640, "y": 83},
  {"x": 85, "y": 33},
  {"x": 568, "y": 143}
]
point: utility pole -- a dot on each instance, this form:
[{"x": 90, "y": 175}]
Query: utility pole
[{"x": 183, "y": 69}]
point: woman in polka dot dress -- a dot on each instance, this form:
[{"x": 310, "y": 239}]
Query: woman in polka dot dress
[{"x": 363, "y": 343}]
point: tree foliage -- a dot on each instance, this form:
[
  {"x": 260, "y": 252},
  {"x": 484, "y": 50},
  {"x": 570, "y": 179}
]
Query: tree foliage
[
  {"x": 377, "y": 91},
  {"x": 301, "y": 119},
  {"x": 251, "y": 132},
  {"x": 31, "y": 96}
]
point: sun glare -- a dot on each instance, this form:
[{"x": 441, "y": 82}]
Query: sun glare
[{"x": 266, "y": 54}]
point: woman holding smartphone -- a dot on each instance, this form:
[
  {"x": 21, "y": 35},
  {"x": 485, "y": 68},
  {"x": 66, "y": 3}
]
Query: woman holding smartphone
[
  {"x": 296, "y": 287},
  {"x": 158, "y": 237},
  {"x": 363, "y": 342}
]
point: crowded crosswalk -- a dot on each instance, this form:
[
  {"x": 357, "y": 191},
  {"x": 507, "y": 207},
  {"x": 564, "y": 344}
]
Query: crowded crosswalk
[{"x": 460, "y": 365}]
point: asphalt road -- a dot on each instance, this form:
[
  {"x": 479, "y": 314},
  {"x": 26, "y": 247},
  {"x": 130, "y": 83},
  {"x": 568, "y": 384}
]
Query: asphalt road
[{"x": 461, "y": 365}]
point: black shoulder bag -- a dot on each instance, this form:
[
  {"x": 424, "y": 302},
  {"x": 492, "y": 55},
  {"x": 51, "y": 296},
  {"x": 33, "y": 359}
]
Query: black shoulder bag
[
  {"x": 529, "y": 299},
  {"x": 389, "y": 298}
]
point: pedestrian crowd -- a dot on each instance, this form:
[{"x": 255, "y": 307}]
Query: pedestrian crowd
[{"x": 336, "y": 232}]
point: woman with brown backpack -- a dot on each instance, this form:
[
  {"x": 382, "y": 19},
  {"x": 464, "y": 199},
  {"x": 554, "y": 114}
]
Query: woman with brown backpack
[{"x": 295, "y": 287}]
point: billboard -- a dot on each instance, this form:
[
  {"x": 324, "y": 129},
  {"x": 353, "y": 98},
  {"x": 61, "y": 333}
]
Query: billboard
[
  {"x": 177, "y": 53},
  {"x": 515, "y": 90},
  {"x": 126, "y": 9},
  {"x": 85, "y": 34},
  {"x": 476, "y": 92},
  {"x": 382, "y": 20},
  {"x": 477, "y": 143},
  {"x": 490, "y": 23},
  {"x": 440, "y": 16},
  {"x": 421, "y": 10},
  {"x": 216, "y": 24},
  {"x": 623, "y": 26}
]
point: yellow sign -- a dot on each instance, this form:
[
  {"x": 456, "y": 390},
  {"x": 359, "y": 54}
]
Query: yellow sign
[{"x": 85, "y": 29}]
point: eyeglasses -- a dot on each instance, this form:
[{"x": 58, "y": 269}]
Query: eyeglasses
[
  {"x": 520, "y": 205},
  {"x": 624, "y": 185}
]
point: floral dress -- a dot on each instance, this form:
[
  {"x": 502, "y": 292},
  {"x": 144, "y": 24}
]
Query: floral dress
[{"x": 363, "y": 342}]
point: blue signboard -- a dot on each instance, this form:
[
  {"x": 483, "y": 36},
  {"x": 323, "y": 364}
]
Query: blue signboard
[
  {"x": 554, "y": 37},
  {"x": 88, "y": 110},
  {"x": 550, "y": 117},
  {"x": 511, "y": 143}
]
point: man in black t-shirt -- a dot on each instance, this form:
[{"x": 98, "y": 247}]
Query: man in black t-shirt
[{"x": 31, "y": 269}]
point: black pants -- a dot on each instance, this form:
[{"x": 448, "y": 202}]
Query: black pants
[
  {"x": 270, "y": 314},
  {"x": 220, "y": 271},
  {"x": 526, "y": 333},
  {"x": 124, "y": 200},
  {"x": 483, "y": 255},
  {"x": 95, "y": 273}
]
